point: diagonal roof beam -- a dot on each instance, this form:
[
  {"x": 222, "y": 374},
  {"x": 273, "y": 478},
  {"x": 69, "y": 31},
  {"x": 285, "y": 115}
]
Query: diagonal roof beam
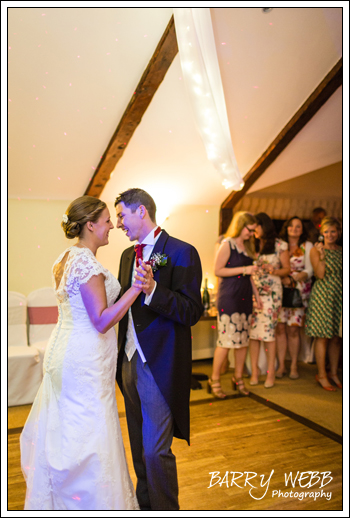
[
  {"x": 152, "y": 77},
  {"x": 319, "y": 96}
]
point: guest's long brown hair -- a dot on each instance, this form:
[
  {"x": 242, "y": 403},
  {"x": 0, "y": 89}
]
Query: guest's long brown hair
[{"x": 284, "y": 231}]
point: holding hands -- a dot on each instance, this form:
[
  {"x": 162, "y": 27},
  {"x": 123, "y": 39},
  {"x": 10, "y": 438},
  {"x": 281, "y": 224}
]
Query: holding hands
[{"x": 143, "y": 279}]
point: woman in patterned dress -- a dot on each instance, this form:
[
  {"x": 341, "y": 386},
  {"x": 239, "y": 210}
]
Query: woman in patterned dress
[
  {"x": 323, "y": 319},
  {"x": 273, "y": 264},
  {"x": 290, "y": 320},
  {"x": 234, "y": 267}
]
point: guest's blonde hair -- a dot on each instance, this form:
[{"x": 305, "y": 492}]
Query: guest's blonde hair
[
  {"x": 79, "y": 212},
  {"x": 329, "y": 221},
  {"x": 240, "y": 220}
]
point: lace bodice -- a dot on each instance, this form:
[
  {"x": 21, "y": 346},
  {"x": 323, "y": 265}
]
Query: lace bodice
[{"x": 74, "y": 267}]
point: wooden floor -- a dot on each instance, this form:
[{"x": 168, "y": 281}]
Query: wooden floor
[{"x": 237, "y": 435}]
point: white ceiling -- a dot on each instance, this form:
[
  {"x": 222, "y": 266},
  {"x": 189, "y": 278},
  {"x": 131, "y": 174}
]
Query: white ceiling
[
  {"x": 72, "y": 72},
  {"x": 317, "y": 145}
]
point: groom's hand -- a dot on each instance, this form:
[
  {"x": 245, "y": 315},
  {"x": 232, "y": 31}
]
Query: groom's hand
[
  {"x": 148, "y": 287},
  {"x": 144, "y": 275}
]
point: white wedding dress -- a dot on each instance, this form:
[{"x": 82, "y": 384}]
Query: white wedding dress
[{"x": 72, "y": 452}]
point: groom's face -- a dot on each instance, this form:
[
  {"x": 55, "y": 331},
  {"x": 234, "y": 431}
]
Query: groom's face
[{"x": 130, "y": 222}]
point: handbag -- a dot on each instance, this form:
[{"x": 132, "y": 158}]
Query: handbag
[{"x": 291, "y": 296}]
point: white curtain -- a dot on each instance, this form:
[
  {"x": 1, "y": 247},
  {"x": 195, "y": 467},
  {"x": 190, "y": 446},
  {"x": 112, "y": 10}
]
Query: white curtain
[{"x": 202, "y": 78}]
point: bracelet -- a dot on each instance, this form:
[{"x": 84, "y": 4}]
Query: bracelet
[{"x": 244, "y": 271}]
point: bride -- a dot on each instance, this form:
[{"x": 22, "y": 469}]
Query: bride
[{"x": 72, "y": 452}]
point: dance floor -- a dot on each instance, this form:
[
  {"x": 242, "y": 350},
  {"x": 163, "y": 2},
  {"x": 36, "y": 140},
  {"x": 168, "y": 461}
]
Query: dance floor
[{"x": 279, "y": 449}]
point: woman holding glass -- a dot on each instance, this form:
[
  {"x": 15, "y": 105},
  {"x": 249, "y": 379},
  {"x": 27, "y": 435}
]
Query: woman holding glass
[
  {"x": 323, "y": 319},
  {"x": 234, "y": 267}
]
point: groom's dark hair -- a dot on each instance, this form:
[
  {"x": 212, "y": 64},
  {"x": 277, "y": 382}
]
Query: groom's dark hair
[{"x": 133, "y": 198}]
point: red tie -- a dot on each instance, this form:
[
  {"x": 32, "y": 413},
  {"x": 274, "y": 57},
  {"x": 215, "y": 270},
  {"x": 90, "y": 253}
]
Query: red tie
[{"x": 139, "y": 250}]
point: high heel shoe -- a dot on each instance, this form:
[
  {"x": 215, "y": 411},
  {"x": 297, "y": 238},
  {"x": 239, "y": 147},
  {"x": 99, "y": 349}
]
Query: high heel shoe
[
  {"x": 325, "y": 387},
  {"x": 280, "y": 375},
  {"x": 214, "y": 387},
  {"x": 239, "y": 385},
  {"x": 335, "y": 380},
  {"x": 255, "y": 381},
  {"x": 269, "y": 384},
  {"x": 294, "y": 376}
]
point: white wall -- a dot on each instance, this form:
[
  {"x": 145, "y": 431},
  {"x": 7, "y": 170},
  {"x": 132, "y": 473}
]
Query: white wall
[{"x": 35, "y": 239}]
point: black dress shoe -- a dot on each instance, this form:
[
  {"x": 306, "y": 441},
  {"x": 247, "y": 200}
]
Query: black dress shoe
[{"x": 195, "y": 385}]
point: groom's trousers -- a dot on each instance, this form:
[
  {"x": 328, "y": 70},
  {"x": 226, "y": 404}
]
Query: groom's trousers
[{"x": 151, "y": 429}]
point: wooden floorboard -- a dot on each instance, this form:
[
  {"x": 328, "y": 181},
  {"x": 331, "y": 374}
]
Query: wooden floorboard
[
  {"x": 238, "y": 435},
  {"x": 300, "y": 419},
  {"x": 243, "y": 436}
]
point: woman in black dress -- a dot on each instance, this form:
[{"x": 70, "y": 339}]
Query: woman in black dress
[{"x": 234, "y": 267}]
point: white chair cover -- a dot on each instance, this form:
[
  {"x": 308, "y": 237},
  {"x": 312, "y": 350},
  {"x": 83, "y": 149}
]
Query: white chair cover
[
  {"x": 24, "y": 374},
  {"x": 24, "y": 363},
  {"x": 17, "y": 319},
  {"x": 43, "y": 314}
]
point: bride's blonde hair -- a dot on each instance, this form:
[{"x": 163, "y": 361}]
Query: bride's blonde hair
[{"x": 79, "y": 212}]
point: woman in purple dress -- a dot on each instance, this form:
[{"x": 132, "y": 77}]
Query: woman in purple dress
[{"x": 234, "y": 267}]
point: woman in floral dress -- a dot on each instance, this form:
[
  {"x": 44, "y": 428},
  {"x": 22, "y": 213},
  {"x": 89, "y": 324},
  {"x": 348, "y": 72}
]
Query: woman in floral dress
[
  {"x": 273, "y": 264},
  {"x": 290, "y": 320}
]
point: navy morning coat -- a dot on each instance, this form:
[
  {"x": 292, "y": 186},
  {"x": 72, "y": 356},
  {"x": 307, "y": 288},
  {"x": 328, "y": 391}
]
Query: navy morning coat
[{"x": 164, "y": 327}]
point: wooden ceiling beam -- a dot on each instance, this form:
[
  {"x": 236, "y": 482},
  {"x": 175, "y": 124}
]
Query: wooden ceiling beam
[
  {"x": 317, "y": 99},
  {"x": 151, "y": 79}
]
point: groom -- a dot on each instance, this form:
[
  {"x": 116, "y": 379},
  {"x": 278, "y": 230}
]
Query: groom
[{"x": 154, "y": 342}]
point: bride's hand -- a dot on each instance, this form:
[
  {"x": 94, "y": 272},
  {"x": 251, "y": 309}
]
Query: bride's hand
[{"x": 144, "y": 278}]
